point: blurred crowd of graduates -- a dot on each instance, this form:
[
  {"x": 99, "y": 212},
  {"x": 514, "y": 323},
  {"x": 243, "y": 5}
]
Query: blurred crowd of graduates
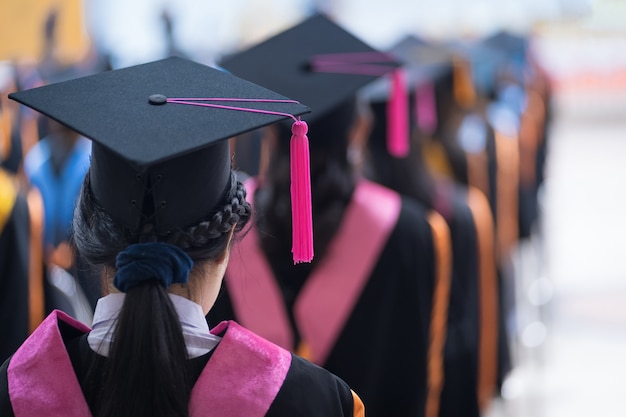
[{"x": 479, "y": 117}]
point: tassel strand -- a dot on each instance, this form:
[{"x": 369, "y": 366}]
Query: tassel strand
[
  {"x": 302, "y": 219},
  {"x": 398, "y": 117}
]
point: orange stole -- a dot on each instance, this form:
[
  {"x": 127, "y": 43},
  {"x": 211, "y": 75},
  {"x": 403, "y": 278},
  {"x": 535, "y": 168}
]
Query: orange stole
[
  {"x": 439, "y": 316},
  {"x": 35, "y": 267},
  {"x": 488, "y": 293}
]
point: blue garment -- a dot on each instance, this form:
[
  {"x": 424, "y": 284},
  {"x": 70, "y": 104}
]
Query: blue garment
[{"x": 59, "y": 191}]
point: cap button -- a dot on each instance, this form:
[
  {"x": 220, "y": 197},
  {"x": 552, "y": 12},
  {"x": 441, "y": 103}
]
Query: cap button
[{"x": 157, "y": 99}]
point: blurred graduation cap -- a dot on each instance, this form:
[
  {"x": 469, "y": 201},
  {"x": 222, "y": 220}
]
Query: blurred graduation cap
[
  {"x": 317, "y": 62},
  {"x": 485, "y": 63},
  {"x": 515, "y": 44},
  {"x": 516, "y": 50},
  {"x": 423, "y": 64},
  {"x": 160, "y": 158}
]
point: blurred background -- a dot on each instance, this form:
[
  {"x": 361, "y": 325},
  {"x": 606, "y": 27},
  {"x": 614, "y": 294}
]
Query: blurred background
[{"x": 569, "y": 332}]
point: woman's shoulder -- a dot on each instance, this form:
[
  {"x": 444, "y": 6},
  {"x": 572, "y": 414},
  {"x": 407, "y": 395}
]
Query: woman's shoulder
[
  {"x": 314, "y": 391},
  {"x": 267, "y": 371}
]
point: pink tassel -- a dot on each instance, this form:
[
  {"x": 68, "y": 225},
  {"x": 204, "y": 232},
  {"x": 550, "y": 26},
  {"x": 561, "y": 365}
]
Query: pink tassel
[
  {"x": 398, "y": 117},
  {"x": 302, "y": 219},
  {"x": 425, "y": 108}
]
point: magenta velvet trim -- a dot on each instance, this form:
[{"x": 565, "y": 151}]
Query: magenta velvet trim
[
  {"x": 257, "y": 299},
  {"x": 41, "y": 379},
  {"x": 243, "y": 376},
  {"x": 330, "y": 294}
]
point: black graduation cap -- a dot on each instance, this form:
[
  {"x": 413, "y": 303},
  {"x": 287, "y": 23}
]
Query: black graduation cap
[
  {"x": 515, "y": 48},
  {"x": 317, "y": 62},
  {"x": 423, "y": 63},
  {"x": 158, "y": 164},
  {"x": 486, "y": 63},
  {"x": 513, "y": 43}
]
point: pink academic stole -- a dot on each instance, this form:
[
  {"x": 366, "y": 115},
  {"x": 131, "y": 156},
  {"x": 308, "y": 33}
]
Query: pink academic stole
[
  {"x": 242, "y": 377},
  {"x": 41, "y": 379},
  {"x": 334, "y": 287}
]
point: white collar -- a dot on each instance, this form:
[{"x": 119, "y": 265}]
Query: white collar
[{"x": 198, "y": 339}]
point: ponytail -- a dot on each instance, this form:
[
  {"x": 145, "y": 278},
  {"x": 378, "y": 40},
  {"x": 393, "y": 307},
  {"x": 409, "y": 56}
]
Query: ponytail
[{"x": 144, "y": 375}]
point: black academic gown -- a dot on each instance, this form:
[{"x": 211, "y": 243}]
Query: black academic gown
[
  {"x": 381, "y": 346},
  {"x": 459, "y": 395},
  {"x": 14, "y": 269},
  {"x": 263, "y": 379},
  {"x": 487, "y": 169}
]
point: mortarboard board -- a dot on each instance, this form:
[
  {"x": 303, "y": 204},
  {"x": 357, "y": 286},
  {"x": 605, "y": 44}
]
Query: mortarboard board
[
  {"x": 157, "y": 160},
  {"x": 316, "y": 62}
]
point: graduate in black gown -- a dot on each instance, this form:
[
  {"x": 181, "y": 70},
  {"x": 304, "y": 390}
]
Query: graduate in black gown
[
  {"x": 465, "y": 146},
  {"x": 156, "y": 215},
  {"x": 21, "y": 222},
  {"x": 523, "y": 87},
  {"x": 371, "y": 306},
  {"x": 470, "y": 352},
  {"x": 21, "y": 263}
]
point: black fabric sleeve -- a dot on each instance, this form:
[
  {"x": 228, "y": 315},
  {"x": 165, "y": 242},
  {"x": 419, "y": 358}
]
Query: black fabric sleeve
[
  {"x": 14, "y": 261},
  {"x": 461, "y": 349},
  {"x": 312, "y": 391},
  {"x": 5, "y": 402}
]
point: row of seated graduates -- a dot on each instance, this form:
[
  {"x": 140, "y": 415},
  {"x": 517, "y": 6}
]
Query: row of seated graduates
[
  {"x": 480, "y": 169},
  {"x": 479, "y": 113},
  {"x": 43, "y": 164}
]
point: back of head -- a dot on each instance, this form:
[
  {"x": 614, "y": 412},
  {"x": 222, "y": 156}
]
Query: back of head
[{"x": 320, "y": 63}]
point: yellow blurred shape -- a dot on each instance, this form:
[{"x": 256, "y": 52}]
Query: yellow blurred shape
[{"x": 22, "y": 30}]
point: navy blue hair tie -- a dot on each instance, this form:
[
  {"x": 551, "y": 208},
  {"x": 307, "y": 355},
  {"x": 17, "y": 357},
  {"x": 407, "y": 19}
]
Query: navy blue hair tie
[{"x": 157, "y": 261}]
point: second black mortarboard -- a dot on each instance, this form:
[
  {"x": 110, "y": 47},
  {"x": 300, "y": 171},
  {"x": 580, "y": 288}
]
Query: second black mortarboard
[
  {"x": 423, "y": 63},
  {"x": 317, "y": 62}
]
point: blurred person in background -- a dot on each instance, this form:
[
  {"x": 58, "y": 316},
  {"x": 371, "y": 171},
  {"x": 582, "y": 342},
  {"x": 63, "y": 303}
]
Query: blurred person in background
[
  {"x": 371, "y": 306},
  {"x": 21, "y": 235},
  {"x": 471, "y": 336},
  {"x": 464, "y": 147},
  {"x": 56, "y": 165}
]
